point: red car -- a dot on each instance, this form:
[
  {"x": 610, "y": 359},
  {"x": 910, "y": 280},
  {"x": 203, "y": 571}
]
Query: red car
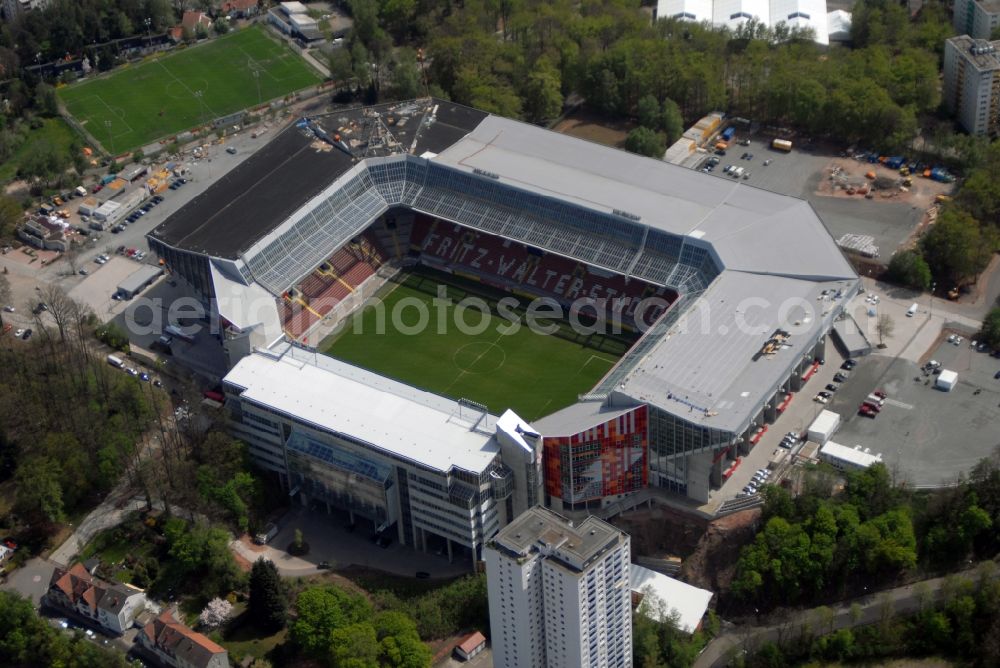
[
  {"x": 97, "y": 188},
  {"x": 880, "y": 394},
  {"x": 867, "y": 411}
]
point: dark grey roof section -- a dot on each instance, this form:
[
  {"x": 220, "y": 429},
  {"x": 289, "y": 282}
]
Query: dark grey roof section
[
  {"x": 247, "y": 202},
  {"x": 292, "y": 168}
]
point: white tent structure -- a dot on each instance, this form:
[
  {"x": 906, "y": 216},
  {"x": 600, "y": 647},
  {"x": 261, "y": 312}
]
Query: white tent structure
[{"x": 733, "y": 13}]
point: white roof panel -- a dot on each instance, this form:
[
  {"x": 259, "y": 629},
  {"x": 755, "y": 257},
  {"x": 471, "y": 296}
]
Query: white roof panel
[
  {"x": 390, "y": 416},
  {"x": 855, "y": 455},
  {"x": 688, "y": 602}
]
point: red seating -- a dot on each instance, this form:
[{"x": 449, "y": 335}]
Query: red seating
[{"x": 512, "y": 265}]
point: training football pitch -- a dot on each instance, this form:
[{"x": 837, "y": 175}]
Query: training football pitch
[
  {"x": 533, "y": 373},
  {"x": 140, "y": 103}
]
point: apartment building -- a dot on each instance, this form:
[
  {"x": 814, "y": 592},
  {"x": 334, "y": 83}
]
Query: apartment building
[
  {"x": 976, "y": 18},
  {"x": 972, "y": 83},
  {"x": 559, "y": 594}
]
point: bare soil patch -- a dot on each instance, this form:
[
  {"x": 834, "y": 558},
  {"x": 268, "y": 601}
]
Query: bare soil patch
[
  {"x": 709, "y": 548},
  {"x": 584, "y": 125}
]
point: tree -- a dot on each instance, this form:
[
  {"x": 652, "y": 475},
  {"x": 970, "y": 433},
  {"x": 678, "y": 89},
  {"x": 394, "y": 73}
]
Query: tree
[
  {"x": 645, "y": 142},
  {"x": 341, "y": 67},
  {"x": 672, "y": 121},
  {"x": 649, "y": 112},
  {"x": 910, "y": 269},
  {"x": 44, "y": 162},
  {"x": 957, "y": 248},
  {"x": 885, "y": 327},
  {"x": 28, "y": 640},
  {"x": 405, "y": 78},
  {"x": 543, "y": 91},
  {"x": 5, "y": 295},
  {"x": 216, "y": 613},
  {"x": 46, "y": 100},
  {"x": 11, "y": 215},
  {"x": 39, "y": 495},
  {"x": 991, "y": 329},
  {"x": 267, "y": 605},
  {"x": 322, "y": 610}
]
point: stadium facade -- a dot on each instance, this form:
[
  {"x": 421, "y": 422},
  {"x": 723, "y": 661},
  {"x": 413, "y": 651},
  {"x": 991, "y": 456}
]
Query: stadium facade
[{"x": 746, "y": 284}]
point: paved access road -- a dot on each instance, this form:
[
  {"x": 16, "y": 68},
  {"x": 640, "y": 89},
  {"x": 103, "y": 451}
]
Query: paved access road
[{"x": 871, "y": 609}]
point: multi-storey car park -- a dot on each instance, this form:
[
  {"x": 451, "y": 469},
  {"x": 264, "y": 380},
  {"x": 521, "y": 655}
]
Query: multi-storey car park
[{"x": 748, "y": 284}]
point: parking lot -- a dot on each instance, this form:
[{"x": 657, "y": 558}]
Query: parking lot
[
  {"x": 799, "y": 174},
  {"x": 925, "y": 436}
]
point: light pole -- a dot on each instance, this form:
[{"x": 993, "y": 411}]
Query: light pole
[
  {"x": 149, "y": 39},
  {"x": 933, "y": 285}
]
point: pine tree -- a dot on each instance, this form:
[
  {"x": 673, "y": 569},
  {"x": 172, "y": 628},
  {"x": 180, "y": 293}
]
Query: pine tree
[{"x": 267, "y": 606}]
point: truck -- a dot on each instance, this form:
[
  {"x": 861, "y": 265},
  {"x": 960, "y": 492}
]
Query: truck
[
  {"x": 115, "y": 362},
  {"x": 781, "y": 145},
  {"x": 727, "y": 134},
  {"x": 81, "y": 191},
  {"x": 941, "y": 175},
  {"x": 895, "y": 162}
]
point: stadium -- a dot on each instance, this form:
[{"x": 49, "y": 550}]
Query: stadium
[{"x": 719, "y": 297}]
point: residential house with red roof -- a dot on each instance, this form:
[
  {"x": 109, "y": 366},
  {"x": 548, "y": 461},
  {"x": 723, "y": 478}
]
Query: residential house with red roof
[
  {"x": 111, "y": 605},
  {"x": 178, "y": 646}
]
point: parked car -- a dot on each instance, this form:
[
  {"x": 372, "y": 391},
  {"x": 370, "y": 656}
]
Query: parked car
[
  {"x": 841, "y": 378},
  {"x": 231, "y": 150},
  {"x": 830, "y": 387},
  {"x": 825, "y": 394},
  {"x": 821, "y": 399},
  {"x": 26, "y": 335},
  {"x": 848, "y": 365}
]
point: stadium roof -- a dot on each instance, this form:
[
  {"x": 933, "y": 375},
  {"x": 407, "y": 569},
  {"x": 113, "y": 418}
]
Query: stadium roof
[
  {"x": 390, "y": 416},
  {"x": 688, "y": 602},
  {"x": 707, "y": 367},
  {"x": 266, "y": 188},
  {"x": 748, "y": 228}
]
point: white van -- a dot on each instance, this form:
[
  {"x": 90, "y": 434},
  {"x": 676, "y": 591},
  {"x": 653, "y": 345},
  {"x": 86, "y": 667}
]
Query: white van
[
  {"x": 115, "y": 362},
  {"x": 912, "y": 311}
]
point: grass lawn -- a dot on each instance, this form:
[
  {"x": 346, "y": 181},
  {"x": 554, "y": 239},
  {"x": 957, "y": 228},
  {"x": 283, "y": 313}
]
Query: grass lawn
[
  {"x": 530, "y": 372},
  {"x": 242, "y": 638},
  {"x": 53, "y": 130},
  {"x": 159, "y": 97}
]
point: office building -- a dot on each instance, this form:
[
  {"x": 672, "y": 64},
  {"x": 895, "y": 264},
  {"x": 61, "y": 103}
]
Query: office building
[{"x": 559, "y": 594}]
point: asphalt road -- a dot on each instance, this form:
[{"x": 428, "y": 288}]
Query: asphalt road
[{"x": 871, "y": 609}]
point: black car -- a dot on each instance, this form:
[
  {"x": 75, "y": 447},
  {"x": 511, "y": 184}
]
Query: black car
[
  {"x": 848, "y": 365},
  {"x": 840, "y": 378},
  {"x": 26, "y": 335},
  {"x": 423, "y": 575},
  {"x": 323, "y": 565},
  {"x": 831, "y": 387}
]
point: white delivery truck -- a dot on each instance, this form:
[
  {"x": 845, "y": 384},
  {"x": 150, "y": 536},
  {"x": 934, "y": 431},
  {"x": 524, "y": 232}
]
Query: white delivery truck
[{"x": 115, "y": 362}]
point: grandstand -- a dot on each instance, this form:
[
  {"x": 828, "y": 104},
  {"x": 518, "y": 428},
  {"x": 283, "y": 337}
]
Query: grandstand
[{"x": 328, "y": 212}]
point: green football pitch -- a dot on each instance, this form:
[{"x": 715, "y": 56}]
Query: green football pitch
[
  {"x": 533, "y": 373},
  {"x": 137, "y": 104}
]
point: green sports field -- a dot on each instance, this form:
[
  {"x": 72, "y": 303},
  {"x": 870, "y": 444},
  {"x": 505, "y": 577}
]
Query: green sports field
[
  {"x": 532, "y": 373},
  {"x": 138, "y": 104}
]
